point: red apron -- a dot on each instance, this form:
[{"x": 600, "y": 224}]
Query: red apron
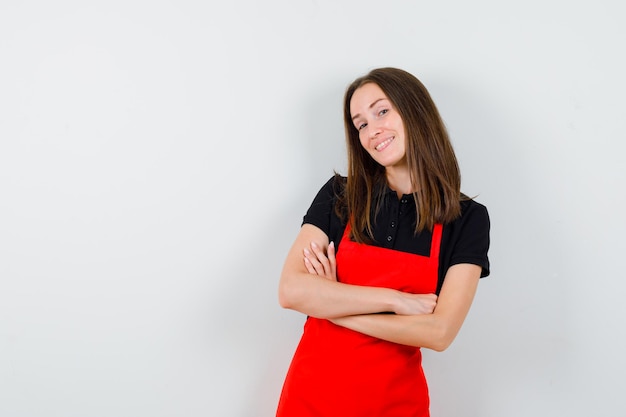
[{"x": 339, "y": 372}]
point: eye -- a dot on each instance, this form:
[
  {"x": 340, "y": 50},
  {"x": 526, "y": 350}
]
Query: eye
[
  {"x": 383, "y": 112},
  {"x": 361, "y": 126}
]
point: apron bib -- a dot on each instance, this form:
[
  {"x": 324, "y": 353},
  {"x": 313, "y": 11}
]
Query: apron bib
[{"x": 339, "y": 372}]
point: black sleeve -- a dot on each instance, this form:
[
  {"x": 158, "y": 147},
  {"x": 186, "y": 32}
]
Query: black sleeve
[
  {"x": 470, "y": 237},
  {"x": 321, "y": 210}
]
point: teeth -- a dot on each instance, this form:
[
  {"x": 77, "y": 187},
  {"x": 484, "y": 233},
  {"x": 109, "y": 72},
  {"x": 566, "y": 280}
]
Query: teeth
[{"x": 383, "y": 144}]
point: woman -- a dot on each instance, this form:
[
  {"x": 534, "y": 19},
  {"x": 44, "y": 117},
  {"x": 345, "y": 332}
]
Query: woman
[{"x": 396, "y": 236}]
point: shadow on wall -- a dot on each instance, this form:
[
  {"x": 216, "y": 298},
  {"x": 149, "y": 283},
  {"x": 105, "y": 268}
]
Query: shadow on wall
[{"x": 515, "y": 340}]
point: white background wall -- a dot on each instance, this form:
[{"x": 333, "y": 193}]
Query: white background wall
[{"x": 156, "y": 159}]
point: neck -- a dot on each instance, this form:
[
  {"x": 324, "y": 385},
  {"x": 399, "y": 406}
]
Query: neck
[{"x": 399, "y": 180}]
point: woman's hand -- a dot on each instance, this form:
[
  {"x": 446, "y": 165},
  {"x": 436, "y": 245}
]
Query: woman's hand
[
  {"x": 325, "y": 265},
  {"x": 314, "y": 289},
  {"x": 411, "y": 304},
  {"x": 434, "y": 331},
  {"x": 319, "y": 263}
]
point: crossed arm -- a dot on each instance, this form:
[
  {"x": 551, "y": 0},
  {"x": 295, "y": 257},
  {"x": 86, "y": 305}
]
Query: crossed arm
[{"x": 308, "y": 284}]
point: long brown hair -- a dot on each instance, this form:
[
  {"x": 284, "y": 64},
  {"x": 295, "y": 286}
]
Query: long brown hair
[{"x": 433, "y": 167}]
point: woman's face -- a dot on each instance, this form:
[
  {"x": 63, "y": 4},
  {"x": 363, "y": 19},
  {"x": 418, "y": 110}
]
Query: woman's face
[{"x": 381, "y": 130}]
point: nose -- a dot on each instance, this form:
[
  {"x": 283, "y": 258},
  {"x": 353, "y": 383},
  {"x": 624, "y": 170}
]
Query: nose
[{"x": 374, "y": 130}]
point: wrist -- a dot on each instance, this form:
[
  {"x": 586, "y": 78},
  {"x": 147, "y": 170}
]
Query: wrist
[{"x": 394, "y": 302}]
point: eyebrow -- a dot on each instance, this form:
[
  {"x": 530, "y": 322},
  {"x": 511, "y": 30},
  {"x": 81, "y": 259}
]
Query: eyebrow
[{"x": 371, "y": 105}]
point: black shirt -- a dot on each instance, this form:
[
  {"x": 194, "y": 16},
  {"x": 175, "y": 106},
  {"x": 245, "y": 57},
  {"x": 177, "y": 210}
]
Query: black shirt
[{"x": 465, "y": 240}]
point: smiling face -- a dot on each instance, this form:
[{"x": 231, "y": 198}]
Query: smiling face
[{"x": 380, "y": 127}]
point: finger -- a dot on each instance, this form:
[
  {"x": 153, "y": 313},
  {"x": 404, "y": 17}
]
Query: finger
[
  {"x": 321, "y": 257},
  {"x": 309, "y": 267},
  {"x": 311, "y": 261},
  {"x": 332, "y": 259},
  {"x": 312, "y": 258}
]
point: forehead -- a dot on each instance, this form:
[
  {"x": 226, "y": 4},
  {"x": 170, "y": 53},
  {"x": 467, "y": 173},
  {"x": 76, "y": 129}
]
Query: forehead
[{"x": 364, "y": 96}]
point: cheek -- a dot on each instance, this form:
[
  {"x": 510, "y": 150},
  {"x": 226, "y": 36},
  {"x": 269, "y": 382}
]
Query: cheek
[{"x": 363, "y": 141}]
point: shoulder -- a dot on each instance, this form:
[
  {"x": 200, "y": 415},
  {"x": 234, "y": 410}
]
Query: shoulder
[
  {"x": 472, "y": 223},
  {"x": 473, "y": 212},
  {"x": 322, "y": 211},
  {"x": 335, "y": 184},
  {"x": 331, "y": 189}
]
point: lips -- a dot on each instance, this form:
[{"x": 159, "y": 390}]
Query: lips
[{"x": 382, "y": 145}]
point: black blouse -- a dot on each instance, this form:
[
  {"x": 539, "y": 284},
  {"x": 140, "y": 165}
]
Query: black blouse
[{"x": 465, "y": 240}]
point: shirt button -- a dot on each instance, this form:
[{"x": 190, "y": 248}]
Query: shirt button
[
  {"x": 389, "y": 238},
  {"x": 393, "y": 224},
  {"x": 403, "y": 201}
]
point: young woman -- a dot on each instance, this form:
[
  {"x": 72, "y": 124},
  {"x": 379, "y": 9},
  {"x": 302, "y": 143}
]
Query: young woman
[{"x": 387, "y": 260}]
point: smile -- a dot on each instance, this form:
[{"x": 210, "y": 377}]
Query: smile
[{"x": 382, "y": 145}]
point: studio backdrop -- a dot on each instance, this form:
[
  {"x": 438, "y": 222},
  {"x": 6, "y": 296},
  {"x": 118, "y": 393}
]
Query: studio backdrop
[{"x": 156, "y": 159}]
